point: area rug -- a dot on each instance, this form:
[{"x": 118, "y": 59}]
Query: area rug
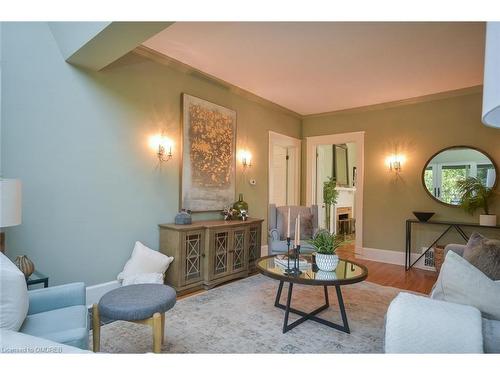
[{"x": 240, "y": 317}]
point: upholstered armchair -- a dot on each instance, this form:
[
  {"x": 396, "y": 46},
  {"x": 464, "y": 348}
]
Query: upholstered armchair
[
  {"x": 57, "y": 314},
  {"x": 277, "y": 227}
]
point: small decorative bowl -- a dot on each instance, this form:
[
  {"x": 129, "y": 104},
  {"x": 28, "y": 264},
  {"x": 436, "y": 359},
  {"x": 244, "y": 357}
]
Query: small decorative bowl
[{"x": 423, "y": 216}]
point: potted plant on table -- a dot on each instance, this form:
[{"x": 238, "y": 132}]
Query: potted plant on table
[
  {"x": 326, "y": 245},
  {"x": 475, "y": 195}
]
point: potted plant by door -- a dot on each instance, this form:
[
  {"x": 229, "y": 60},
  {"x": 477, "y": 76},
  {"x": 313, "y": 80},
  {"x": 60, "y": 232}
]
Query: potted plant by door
[
  {"x": 326, "y": 244},
  {"x": 330, "y": 195},
  {"x": 474, "y": 195}
]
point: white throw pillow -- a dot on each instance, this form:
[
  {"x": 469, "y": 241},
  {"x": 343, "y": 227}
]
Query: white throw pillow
[
  {"x": 13, "y": 295},
  {"x": 461, "y": 282},
  {"x": 143, "y": 278},
  {"x": 144, "y": 260}
]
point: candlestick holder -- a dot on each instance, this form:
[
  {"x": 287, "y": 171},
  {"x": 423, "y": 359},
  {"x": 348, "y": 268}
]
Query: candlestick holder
[
  {"x": 288, "y": 270},
  {"x": 296, "y": 261},
  {"x": 295, "y": 252}
]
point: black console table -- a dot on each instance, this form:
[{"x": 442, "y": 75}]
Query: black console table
[{"x": 449, "y": 225}]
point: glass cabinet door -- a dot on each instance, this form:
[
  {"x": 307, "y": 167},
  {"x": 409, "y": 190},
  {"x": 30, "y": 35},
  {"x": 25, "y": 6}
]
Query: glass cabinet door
[
  {"x": 253, "y": 244},
  {"x": 238, "y": 253},
  {"x": 220, "y": 245},
  {"x": 192, "y": 254}
]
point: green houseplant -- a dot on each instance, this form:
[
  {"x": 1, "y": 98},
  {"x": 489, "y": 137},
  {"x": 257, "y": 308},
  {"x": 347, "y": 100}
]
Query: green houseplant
[
  {"x": 326, "y": 245},
  {"x": 330, "y": 195},
  {"x": 475, "y": 195}
]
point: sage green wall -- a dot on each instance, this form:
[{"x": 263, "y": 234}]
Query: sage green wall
[
  {"x": 418, "y": 131},
  {"x": 78, "y": 141}
]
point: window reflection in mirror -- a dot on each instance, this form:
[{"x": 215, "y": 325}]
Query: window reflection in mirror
[{"x": 449, "y": 166}]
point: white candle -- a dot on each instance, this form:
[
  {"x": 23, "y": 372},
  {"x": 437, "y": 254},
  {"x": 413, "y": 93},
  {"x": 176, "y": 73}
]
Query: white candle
[
  {"x": 296, "y": 233},
  {"x": 298, "y": 227},
  {"x": 288, "y": 225}
]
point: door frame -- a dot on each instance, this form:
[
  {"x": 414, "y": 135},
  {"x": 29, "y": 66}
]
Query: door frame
[
  {"x": 287, "y": 141},
  {"x": 355, "y": 137}
]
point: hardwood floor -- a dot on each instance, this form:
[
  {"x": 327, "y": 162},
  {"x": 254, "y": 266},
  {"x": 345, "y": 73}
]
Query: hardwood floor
[{"x": 415, "y": 279}]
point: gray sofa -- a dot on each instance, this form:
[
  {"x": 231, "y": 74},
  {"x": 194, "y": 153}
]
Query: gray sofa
[
  {"x": 419, "y": 324},
  {"x": 277, "y": 233}
]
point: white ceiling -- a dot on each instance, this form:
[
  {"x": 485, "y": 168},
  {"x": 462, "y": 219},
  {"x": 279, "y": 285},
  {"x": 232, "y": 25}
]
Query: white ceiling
[{"x": 319, "y": 67}]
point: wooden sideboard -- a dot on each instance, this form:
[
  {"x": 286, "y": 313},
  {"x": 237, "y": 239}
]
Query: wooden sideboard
[{"x": 207, "y": 253}]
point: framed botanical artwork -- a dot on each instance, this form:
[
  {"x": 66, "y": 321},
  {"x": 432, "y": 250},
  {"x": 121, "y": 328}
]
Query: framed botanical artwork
[{"x": 208, "y": 155}]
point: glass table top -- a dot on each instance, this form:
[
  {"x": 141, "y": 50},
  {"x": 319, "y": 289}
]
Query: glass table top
[
  {"x": 347, "y": 272},
  {"x": 36, "y": 275}
]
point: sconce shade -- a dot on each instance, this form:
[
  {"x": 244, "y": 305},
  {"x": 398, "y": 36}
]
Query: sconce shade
[
  {"x": 10, "y": 202},
  {"x": 491, "y": 83}
]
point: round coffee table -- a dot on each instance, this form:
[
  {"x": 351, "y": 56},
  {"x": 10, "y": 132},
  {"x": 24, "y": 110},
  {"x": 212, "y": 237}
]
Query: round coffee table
[{"x": 347, "y": 272}]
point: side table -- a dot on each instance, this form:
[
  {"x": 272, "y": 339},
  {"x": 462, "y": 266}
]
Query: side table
[{"x": 38, "y": 278}]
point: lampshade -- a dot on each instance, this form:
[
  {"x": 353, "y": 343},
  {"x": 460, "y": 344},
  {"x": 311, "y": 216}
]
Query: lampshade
[
  {"x": 10, "y": 202},
  {"x": 491, "y": 84}
]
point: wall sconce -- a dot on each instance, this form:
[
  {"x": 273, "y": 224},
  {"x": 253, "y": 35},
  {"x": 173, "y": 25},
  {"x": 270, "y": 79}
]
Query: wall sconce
[
  {"x": 246, "y": 159},
  {"x": 395, "y": 162},
  {"x": 163, "y": 147}
]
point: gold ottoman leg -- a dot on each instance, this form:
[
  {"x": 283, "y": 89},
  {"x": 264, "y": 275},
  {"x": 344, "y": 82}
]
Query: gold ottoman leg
[
  {"x": 157, "y": 332},
  {"x": 163, "y": 328},
  {"x": 96, "y": 328}
]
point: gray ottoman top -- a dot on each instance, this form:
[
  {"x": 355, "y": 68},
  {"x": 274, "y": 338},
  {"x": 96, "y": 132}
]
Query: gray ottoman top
[{"x": 137, "y": 302}]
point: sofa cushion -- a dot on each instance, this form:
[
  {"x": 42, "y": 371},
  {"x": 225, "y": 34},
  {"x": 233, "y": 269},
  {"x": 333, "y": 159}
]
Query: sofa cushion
[
  {"x": 143, "y": 278},
  {"x": 491, "y": 336},
  {"x": 17, "y": 342},
  {"x": 485, "y": 256},
  {"x": 282, "y": 220},
  {"x": 67, "y": 325},
  {"x": 417, "y": 324},
  {"x": 474, "y": 240},
  {"x": 145, "y": 260},
  {"x": 13, "y": 295},
  {"x": 461, "y": 282}
]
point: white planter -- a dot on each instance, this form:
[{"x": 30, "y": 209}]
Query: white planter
[
  {"x": 327, "y": 262},
  {"x": 324, "y": 275},
  {"x": 488, "y": 220}
]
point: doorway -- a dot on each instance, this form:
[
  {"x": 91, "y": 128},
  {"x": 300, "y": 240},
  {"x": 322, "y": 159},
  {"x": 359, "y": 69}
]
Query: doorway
[
  {"x": 340, "y": 156},
  {"x": 284, "y": 170}
]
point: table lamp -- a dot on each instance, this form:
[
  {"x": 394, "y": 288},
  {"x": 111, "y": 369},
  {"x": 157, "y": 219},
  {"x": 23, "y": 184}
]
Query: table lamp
[{"x": 10, "y": 206}]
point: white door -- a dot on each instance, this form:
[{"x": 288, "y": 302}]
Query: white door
[
  {"x": 284, "y": 170},
  {"x": 324, "y": 170},
  {"x": 278, "y": 174}
]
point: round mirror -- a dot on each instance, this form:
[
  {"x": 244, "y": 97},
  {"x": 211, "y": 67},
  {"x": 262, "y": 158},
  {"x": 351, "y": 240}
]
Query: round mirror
[{"x": 453, "y": 164}]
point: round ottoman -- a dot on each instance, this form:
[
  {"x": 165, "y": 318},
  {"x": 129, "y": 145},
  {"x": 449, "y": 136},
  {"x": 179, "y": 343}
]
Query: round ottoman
[{"x": 140, "y": 303}]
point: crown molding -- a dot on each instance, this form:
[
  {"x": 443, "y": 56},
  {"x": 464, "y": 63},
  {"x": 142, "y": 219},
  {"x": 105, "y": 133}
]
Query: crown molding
[
  {"x": 160, "y": 58},
  {"x": 397, "y": 103}
]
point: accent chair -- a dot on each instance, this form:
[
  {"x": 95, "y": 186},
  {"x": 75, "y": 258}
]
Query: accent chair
[
  {"x": 58, "y": 313},
  {"x": 277, "y": 217}
]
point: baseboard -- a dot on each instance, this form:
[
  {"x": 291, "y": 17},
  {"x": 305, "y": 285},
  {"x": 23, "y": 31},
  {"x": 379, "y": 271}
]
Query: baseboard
[
  {"x": 390, "y": 257},
  {"x": 95, "y": 292},
  {"x": 384, "y": 256}
]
